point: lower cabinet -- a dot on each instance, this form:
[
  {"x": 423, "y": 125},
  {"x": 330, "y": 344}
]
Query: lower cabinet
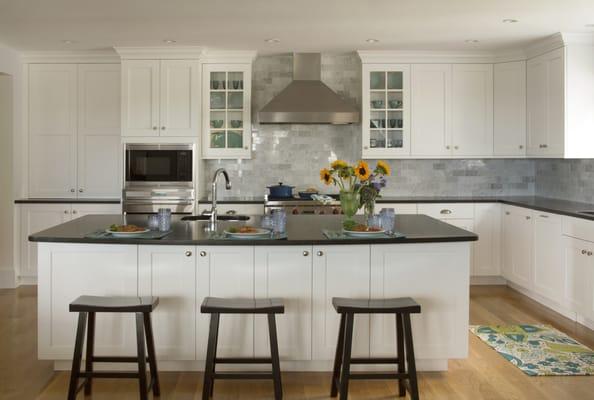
[
  {"x": 518, "y": 234},
  {"x": 547, "y": 267},
  {"x": 579, "y": 276},
  {"x": 487, "y": 250}
]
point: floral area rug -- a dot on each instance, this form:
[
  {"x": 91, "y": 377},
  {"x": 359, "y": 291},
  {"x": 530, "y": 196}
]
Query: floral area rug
[{"x": 538, "y": 350}]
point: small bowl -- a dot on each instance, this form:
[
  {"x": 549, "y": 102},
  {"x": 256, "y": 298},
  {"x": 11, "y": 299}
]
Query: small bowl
[
  {"x": 236, "y": 123},
  {"x": 216, "y": 123},
  {"x": 377, "y": 104},
  {"x": 395, "y": 103}
]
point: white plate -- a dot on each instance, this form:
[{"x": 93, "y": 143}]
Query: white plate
[
  {"x": 364, "y": 234},
  {"x": 126, "y": 234},
  {"x": 261, "y": 232}
]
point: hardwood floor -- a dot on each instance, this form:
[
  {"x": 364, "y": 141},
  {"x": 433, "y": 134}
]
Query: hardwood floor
[{"x": 484, "y": 375}]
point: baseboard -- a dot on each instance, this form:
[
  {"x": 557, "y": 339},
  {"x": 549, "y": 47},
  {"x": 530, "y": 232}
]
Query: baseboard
[
  {"x": 488, "y": 280},
  {"x": 7, "y": 278},
  {"x": 567, "y": 313}
]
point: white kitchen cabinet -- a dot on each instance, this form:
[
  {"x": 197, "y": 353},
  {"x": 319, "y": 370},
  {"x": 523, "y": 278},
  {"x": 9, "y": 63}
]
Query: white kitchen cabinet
[
  {"x": 386, "y": 110},
  {"x": 115, "y": 332},
  {"x": 547, "y": 272},
  {"x": 579, "y": 276},
  {"x": 546, "y": 104},
  {"x": 518, "y": 246},
  {"x": 78, "y": 210},
  {"x": 160, "y": 98},
  {"x": 52, "y": 121},
  {"x": 226, "y": 115},
  {"x": 431, "y": 89},
  {"x": 509, "y": 109},
  {"x": 226, "y": 271},
  {"x": 472, "y": 110},
  {"x": 169, "y": 272},
  {"x": 285, "y": 272},
  {"x": 339, "y": 271},
  {"x": 487, "y": 250}
]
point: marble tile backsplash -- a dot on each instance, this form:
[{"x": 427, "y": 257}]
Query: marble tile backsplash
[
  {"x": 565, "y": 179},
  {"x": 294, "y": 154}
]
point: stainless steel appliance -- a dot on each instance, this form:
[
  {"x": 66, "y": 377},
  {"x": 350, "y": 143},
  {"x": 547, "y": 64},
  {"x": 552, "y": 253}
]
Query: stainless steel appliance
[
  {"x": 297, "y": 206},
  {"x": 159, "y": 176}
]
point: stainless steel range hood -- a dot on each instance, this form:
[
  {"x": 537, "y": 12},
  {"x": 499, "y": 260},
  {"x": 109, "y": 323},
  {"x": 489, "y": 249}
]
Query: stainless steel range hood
[{"x": 307, "y": 100}]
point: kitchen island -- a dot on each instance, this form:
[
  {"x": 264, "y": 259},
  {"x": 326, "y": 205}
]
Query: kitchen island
[{"x": 430, "y": 264}]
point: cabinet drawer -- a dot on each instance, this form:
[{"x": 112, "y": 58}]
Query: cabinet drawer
[
  {"x": 447, "y": 210},
  {"x": 578, "y": 228}
]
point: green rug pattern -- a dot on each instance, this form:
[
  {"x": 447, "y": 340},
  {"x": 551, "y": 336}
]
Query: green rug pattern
[{"x": 538, "y": 350}]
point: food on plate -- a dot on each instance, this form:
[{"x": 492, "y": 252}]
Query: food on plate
[
  {"x": 244, "y": 229},
  {"x": 126, "y": 228},
  {"x": 311, "y": 190},
  {"x": 365, "y": 228}
]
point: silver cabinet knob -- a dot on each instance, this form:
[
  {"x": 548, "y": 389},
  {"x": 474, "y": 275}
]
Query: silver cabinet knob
[
  {"x": 305, "y": 253},
  {"x": 203, "y": 254},
  {"x": 527, "y": 217},
  {"x": 246, "y": 148},
  {"x": 320, "y": 253},
  {"x": 543, "y": 216},
  {"x": 545, "y": 146},
  {"x": 589, "y": 253},
  {"x": 162, "y": 128},
  {"x": 72, "y": 190},
  {"x": 188, "y": 253},
  {"x": 365, "y": 147},
  {"x": 80, "y": 190},
  {"x": 74, "y": 212},
  {"x": 455, "y": 147},
  {"x": 521, "y": 147},
  {"x": 584, "y": 251},
  {"x": 507, "y": 213},
  {"x": 65, "y": 211},
  {"x": 447, "y": 147},
  {"x": 154, "y": 128},
  {"x": 445, "y": 211}
]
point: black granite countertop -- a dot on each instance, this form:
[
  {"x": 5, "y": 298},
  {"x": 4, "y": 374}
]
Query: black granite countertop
[
  {"x": 301, "y": 230},
  {"x": 63, "y": 201}
]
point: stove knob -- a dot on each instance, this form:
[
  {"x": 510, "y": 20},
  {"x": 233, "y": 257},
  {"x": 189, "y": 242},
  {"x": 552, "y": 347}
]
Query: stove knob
[
  {"x": 335, "y": 211},
  {"x": 295, "y": 211},
  {"x": 321, "y": 212}
]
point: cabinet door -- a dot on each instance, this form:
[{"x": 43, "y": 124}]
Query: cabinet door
[
  {"x": 386, "y": 115},
  {"x": 180, "y": 94},
  {"x": 579, "y": 276},
  {"x": 522, "y": 250},
  {"x": 36, "y": 218},
  {"x": 509, "y": 109},
  {"x": 472, "y": 109},
  {"x": 169, "y": 272},
  {"x": 548, "y": 275},
  {"x": 339, "y": 271},
  {"x": 140, "y": 98},
  {"x": 431, "y": 89},
  {"x": 226, "y": 271},
  {"x": 52, "y": 130},
  {"x": 99, "y": 136},
  {"x": 555, "y": 108},
  {"x": 285, "y": 272},
  {"x": 80, "y": 210},
  {"x": 536, "y": 105},
  {"x": 62, "y": 278},
  {"x": 487, "y": 250}
]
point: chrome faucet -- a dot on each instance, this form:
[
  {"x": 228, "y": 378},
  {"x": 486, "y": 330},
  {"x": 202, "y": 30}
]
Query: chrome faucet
[{"x": 213, "y": 209}]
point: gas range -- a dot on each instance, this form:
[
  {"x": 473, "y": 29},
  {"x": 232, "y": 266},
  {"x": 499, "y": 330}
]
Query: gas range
[{"x": 296, "y": 205}]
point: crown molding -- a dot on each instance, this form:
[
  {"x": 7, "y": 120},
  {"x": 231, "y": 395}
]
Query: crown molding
[
  {"x": 229, "y": 56},
  {"x": 545, "y": 45},
  {"x": 438, "y": 57},
  {"x": 578, "y": 38},
  {"x": 161, "y": 52},
  {"x": 71, "y": 57}
]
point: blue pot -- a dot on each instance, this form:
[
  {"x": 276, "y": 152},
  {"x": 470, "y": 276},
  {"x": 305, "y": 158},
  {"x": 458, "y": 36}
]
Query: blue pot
[{"x": 281, "y": 190}]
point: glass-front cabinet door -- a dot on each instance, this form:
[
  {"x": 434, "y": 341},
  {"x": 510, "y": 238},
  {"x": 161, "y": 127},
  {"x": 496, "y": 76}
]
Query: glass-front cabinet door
[
  {"x": 386, "y": 110},
  {"x": 226, "y": 111}
]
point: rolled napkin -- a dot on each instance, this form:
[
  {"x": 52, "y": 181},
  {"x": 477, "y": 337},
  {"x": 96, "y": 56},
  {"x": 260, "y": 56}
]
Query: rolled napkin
[{"x": 322, "y": 198}]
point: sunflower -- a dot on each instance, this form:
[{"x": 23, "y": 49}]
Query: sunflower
[
  {"x": 362, "y": 171},
  {"x": 383, "y": 168},
  {"x": 326, "y": 176},
  {"x": 339, "y": 164}
]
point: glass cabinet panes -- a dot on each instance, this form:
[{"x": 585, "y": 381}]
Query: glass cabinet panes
[
  {"x": 394, "y": 80},
  {"x": 226, "y": 122}
]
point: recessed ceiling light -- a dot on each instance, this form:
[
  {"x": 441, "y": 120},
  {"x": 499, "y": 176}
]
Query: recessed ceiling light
[
  {"x": 509, "y": 21},
  {"x": 272, "y": 40},
  {"x": 68, "y": 41},
  {"x": 472, "y": 41},
  {"x": 372, "y": 40},
  {"x": 169, "y": 41}
]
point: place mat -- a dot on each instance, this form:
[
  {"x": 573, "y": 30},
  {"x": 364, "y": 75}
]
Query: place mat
[
  {"x": 330, "y": 234},
  {"x": 147, "y": 235},
  {"x": 223, "y": 236}
]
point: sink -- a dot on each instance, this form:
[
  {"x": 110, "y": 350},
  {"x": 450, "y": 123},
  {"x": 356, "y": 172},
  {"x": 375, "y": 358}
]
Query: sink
[
  {"x": 587, "y": 212},
  {"x": 219, "y": 218}
]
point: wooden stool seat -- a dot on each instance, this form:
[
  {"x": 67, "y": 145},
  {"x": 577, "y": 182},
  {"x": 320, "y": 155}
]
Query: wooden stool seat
[
  {"x": 376, "y": 306},
  {"x": 87, "y": 307},
  {"x": 212, "y": 305}
]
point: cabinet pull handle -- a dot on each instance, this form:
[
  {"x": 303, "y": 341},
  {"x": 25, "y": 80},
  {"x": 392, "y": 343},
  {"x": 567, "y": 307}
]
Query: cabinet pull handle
[
  {"x": 154, "y": 128},
  {"x": 188, "y": 253},
  {"x": 65, "y": 211},
  {"x": 74, "y": 212},
  {"x": 584, "y": 251},
  {"x": 72, "y": 190},
  {"x": 527, "y": 217},
  {"x": 507, "y": 213},
  {"x": 162, "y": 128},
  {"x": 445, "y": 211},
  {"x": 203, "y": 254},
  {"x": 305, "y": 253},
  {"x": 447, "y": 147},
  {"x": 455, "y": 147},
  {"x": 365, "y": 147},
  {"x": 543, "y": 216},
  {"x": 545, "y": 146},
  {"x": 246, "y": 148},
  {"x": 80, "y": 190},
  {"x": 320, "y": 253},
  {"x": 521, "y": 147},
  {"x": 589, "y": 253}
]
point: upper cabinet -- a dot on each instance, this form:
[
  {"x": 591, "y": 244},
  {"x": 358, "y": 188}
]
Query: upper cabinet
[
  {"x": 160, "y": 98},
  {"x": 73, "y": 118},
  {"x": 509, "y": 109},
  {"x": 226, "y": 113},
  {"x": 386, "y": 115}
]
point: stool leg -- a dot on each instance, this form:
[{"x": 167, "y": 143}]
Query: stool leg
[
  {"x": 278, "y": 386},
  {"x": 141, "y": 356},
  {"x": 410, "y": 358},
  {"x": 214, "y": 362},
  {"x": 150, "y": 344},
  {"x": 210, "y": 355},
  {"x": 346, "y": 357},
  {"x": 338, "y": 357},
  {"x": 90, "y": 352},
  {"x": 401, "y": 356},
  {"x": 78, "y": 344}
]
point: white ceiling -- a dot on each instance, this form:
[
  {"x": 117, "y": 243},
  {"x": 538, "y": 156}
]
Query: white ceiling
[{"x": 301, "y": 25}]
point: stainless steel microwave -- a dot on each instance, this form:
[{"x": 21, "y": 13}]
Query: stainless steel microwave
[{"x": 159, "y": 165}]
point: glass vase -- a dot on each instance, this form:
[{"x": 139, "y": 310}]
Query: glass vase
[
  {"x": 349, "y": 202},
  {"x": 369, "y": 209}
]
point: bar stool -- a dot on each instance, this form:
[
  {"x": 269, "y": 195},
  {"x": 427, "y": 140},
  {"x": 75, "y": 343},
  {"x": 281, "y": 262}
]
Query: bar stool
[
  {"x": 88, "y": 306},
  {"x": 401, "y": 308},
  {"x": 218, "y": 306}
]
